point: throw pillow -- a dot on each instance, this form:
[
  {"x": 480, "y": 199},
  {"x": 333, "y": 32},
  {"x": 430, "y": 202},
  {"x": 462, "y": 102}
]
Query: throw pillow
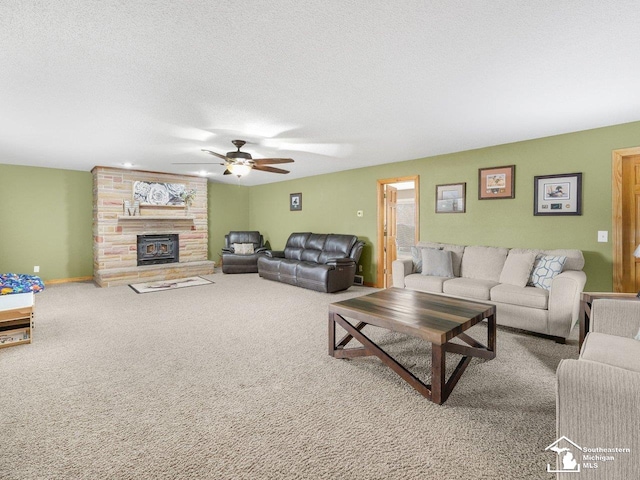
[
  {"x": 416, "y": 255},
  {"x": 545, "y": 269},
  {"x": 517, "y": 269},
  {"x": 243, "y": 248},
  {"x": 437, "y": 263},
  {"x": 416, "y": 258}
]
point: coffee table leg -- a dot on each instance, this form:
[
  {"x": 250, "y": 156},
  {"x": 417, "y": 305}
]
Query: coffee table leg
[
  {"x": 491, "y": 334},
  {"x": 437, "y": 374},
  {"x": 332, "y": 334}
]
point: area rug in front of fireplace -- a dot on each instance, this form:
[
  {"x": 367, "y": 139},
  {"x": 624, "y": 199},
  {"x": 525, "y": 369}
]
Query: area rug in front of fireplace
[{"x": 160, "y": 286}]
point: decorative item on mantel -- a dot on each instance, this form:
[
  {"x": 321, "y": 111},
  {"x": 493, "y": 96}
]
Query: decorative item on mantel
[
  {"x": 132, "y": 211},
  {"x": 188, "y": 196}
]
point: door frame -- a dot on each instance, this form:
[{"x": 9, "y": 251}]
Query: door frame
[
  {"x": 617, "y": 159},
  {"x": 381, "y": 210}
]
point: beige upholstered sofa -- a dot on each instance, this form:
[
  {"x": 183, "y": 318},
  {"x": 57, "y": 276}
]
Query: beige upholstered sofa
[
  {"x": 499, "y": 276},
  {"x": 597, "y": 395}
]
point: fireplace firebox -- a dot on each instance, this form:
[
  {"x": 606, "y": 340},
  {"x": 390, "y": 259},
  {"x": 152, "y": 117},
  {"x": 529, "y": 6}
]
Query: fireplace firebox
[{"x": 155, "y": 249}]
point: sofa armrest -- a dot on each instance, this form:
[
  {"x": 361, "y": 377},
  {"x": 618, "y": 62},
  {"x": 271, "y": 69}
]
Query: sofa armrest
[
  {"x": 615, "y": 317},
  {"x": 564, "y": 301},
  {"x": 260, "y": 250},
  {"x": 228, "y": 250},
  {"x": 399, "y": 269},
  {"x": 274, "y": 253},
  {"x": 340, "y": 261},
  {"x": 597, "y": 406}
]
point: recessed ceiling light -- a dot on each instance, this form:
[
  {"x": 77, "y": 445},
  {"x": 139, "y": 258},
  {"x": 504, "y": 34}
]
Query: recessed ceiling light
[
  {"x": 203, "y": 173},
  {"x": 127, "y": 165}
]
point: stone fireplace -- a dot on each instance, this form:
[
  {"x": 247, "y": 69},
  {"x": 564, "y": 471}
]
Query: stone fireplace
[{"x": 178, "y": 237}]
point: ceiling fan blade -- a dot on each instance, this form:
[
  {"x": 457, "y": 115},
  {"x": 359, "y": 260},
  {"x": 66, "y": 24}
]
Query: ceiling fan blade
[
  {"x": 264, "y": 168},
  {"x": 271, "y": 161},
  {"x": 198, "y": 163},
  {"x": 216, "y": 154}
]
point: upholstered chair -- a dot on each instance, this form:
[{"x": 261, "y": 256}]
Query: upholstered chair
[
  {"x": 241, "y": 252},
  {"x": 597, "y": 395}
]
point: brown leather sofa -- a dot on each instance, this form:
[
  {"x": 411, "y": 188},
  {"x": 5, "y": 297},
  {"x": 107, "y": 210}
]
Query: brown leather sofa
[
  {"x": 321, "y": 262},
  {"x": 233, "y": 262}
]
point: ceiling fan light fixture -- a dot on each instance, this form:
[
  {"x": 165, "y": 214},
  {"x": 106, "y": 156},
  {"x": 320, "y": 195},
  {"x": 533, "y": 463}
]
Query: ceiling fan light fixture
[{"x": 239, "y": 169}]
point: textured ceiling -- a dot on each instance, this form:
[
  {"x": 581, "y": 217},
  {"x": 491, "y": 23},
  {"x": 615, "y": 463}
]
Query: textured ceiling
[{"x": 335, "y": 84}]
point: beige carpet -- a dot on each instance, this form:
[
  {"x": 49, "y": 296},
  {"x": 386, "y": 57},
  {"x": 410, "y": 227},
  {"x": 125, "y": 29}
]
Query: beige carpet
[{"x": 233, "y": 381}]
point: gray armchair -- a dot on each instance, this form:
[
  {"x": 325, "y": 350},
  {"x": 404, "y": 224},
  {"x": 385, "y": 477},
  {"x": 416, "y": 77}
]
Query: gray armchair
[
  {"x": 597, "y": 395},
  {"x": 239, "y": 262}
]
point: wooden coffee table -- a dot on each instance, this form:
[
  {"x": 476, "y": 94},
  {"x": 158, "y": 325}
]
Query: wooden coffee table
[{"x": 434, "y": 318}]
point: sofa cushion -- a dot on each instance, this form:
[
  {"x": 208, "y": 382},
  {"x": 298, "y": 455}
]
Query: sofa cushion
[
  {"x": 477, "y": 289},
  {"x": 436, "y": 263},
  {"x": 622, "y": 352},
  {"x": 313, "y": 247},
  {"x": 517, "y": 268},
  {"x": 575, "y": 259},
  {"x": 245, "y": 237},
  {"x": 457, "y": 251},
  {"x": 545, "y": 269},
  {"x": 310, "y": 255},
  {"x": 287, "y": 270},
  {"x": 531, "y": 297},
  {"x": 337, "y": 246},
  {"x": 424, "y": 283},
  {"x": 295, "y": 245},
  {"x": 483, "y": 263}
]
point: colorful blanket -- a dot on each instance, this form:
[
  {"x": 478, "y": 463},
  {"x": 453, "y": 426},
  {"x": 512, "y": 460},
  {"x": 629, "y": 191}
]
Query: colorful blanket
[{"x": 19, "y": 283}]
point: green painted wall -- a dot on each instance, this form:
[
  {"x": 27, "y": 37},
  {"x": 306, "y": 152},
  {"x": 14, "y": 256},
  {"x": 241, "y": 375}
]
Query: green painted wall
[
  {"x": 228, "y": 210},
  {"x": 330, "y": 201},
  {"x": 57, "y": 205},
  {"x": 46, "y": 220}
]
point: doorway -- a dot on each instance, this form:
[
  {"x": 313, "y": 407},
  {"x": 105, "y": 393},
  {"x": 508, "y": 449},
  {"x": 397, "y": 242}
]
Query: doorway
[
  {"x": 626, "y": 219},
  {"x": 398, "y": 223}
]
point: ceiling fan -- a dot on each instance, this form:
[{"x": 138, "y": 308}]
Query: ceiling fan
[{"x": 240, "y": 163}]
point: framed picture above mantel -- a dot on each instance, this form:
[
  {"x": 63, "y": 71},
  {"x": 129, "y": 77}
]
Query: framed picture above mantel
[
  {"x": 497, "y": 182},
  {"x": 557, "y": 194}
]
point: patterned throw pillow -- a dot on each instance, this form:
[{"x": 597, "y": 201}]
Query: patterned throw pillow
[
  {"x": 545, "y": 269},
  {"x": 243, "y": 248}
]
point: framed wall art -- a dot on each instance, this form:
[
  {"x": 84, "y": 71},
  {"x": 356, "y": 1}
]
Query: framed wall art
[
  {"x": 450, "y": 198},
  {"x": 158, "y": 193},
  {"x": 557, "y": 194},
  {"x": 497, "y": 182},
  {"x": 295, "y": 201}
]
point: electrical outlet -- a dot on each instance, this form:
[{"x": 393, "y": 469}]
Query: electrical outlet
[
  {"x": 603, "y": 236},
  {"x": 36, "y": 269},
  {"x": 360, "y": 268}
]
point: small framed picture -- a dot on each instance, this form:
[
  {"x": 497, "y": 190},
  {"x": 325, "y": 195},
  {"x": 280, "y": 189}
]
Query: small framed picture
[
  {"x": 497, "y": 182},
  {"x": 557, "y": 194},
  {"x": 295, "y": 201},
  {"x": 451, "y": 198}
]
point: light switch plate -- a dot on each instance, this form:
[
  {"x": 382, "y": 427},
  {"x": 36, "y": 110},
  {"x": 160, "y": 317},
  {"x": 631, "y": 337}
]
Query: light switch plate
[{"x": 603, "y": 236}]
